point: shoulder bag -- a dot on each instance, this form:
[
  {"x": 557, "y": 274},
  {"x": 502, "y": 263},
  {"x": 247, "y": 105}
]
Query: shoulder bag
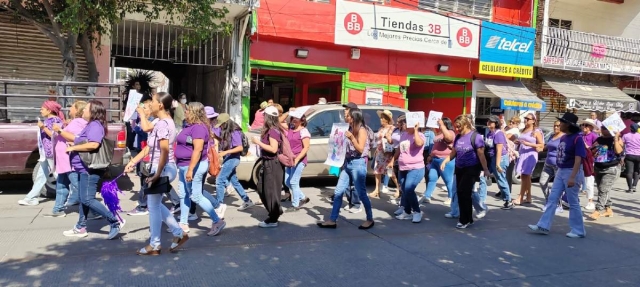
[
  {"x": 99, "y": 158},
  {"x": 162, "y": 185}
]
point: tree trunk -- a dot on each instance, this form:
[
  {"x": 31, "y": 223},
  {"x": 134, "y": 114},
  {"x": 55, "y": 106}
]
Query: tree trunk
[
  {"x": 69, "y": 66},
  {"x": 87, "y": 49}
]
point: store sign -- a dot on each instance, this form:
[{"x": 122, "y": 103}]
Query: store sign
[
  {"x": 373, "y": 96},
  {"x": 590, "y": 66},
  {"x": 507, "y": 50},
  {"x": 508, "y": 104},
  {"x": 376, "y": 26},
  {"x": 602, "y": 105},
  {"x": 496, "y": 111}
]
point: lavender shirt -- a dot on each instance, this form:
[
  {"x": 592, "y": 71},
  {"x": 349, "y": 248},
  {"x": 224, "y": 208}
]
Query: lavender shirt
[
  {"x": 236, "y": 140},
  {"x": 184, "y": 147},
  {"x": 466, "y": 156},
  {"x": 494, "y": 139},
  {"x": 162, "y": 129},
  {"x": 63, "y": 164},
  {"x": 552, "y": 151},
  {"x": 632, "y": 143},
  {"x": 93, "y": 132},
  {"x": 47, "y": 142},
  {"x": 590, "y": 138}
]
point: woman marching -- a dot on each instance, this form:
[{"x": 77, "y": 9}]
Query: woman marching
[
  {"x": 354, "y": 170},
  {"x": 299, "y": 140},
  {"x": 193, "y": 165},
  {"x": 89, "y": 140},
  {"x": 411, "y": 165},
  {"x": 496, "y": 143},
  {"x": 384, "y": 154},
  {"x": 607, "y": 152},
  {"x": 468, "y": 151},
  {"x": 571, "y": 152},
  {"x": 530, "y": 142},
  {"x": 441, "y": 149},
  {"x": 550, "y": 168},
  {"x": 632, "y": 158},
  {"x": 160, "y": 146}
]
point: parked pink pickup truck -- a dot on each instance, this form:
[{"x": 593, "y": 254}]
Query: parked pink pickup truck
[{"x": 18, "y": 137}]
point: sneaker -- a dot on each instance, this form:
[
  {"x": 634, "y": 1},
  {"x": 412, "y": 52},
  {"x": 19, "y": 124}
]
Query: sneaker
[
  {"x": 116, "y": 230},
  {"x": 385, "y": 189},
  {"x": 416, "y": 217},
  {"x": 507, "y": 205},
  {"x": 221, "y": 210},
  {"x": 481, "y": 214},
  {"x": 573, "y": 235},
  {"x": 590, "y": 206},
  {"x": 498, "y": 195},
  {"x": 447, "y": 201},
  {"x": 29, "y": 201},
  {"x": 193, "y": 217},
  {"x": 424, "y": 199},
  {"x": 94, "y": 216},
  {"x": 399, "y": 211},
  {"x": 139, "y": 210},
  {"x": 538, "y": 229},
  {"x": 559, "y": 209},
  {"x": 304, "y": 201},
  {"x": 462, "y": 226},
  {"x": 55, "y": 214},
  {"x": 355, "y": 209},
  {"x": 82, "y": 232},
  {"x": 229, "y": 190},
  {"x": 217, "y": 227},
  {"x": 449, "y": 215},
  {"x": 267, "y": 225},
  {"x": 174, "y": 209},
  {"x": 246, "y": 205},
  {"x": 404, "y": 216}
]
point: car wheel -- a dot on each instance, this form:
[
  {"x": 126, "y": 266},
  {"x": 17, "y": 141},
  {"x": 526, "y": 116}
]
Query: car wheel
[
  {"x": 257, "y": 168},
  {"x": 515, "y": 179},
  {"x": 49, "y": 188}
]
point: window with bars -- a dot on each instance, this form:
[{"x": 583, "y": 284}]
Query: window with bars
[
  {"x": 483, "y": 107},
  {"x": 471, "y": 8},
  {"x": 559, "y": 23}
]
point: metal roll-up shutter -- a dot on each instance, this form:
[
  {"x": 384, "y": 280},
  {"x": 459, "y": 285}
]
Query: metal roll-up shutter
[{"x": 27, "y": 54}]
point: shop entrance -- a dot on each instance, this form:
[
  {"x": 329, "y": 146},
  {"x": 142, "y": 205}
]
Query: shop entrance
[
  {"x": 292, "y": 89},
  {"x": 452, "y": 98}
]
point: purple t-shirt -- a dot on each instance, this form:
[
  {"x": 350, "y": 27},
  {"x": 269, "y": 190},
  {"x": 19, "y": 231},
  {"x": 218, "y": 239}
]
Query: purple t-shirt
[
  {"x": 47, "y": 143},
  {"x": 295, "y": 140},
  {"x": 236, "y": 140},
  {"x": 495, "y": 138},
  {"x": 570, "y": 146},
  {"x": 162, "y": 130},
  {"x": 632, "y": 143},
  {"x": 63, "y": 165},
  {"x": 274, "y": 134},
  {"x": 93, "y": 132},
  {"x": 590, "y": 138},
  {"x": 184, "y": 147},
  {"x": 466, "y": 156},
  {"x": 411, "y": 155},
  {"x": 552, "y": 151}
]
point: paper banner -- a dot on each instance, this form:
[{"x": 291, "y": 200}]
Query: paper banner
[{"x": 614, "y": 123}]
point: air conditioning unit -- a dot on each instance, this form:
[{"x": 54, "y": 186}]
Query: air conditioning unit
[{"x": 613, "y": 1}]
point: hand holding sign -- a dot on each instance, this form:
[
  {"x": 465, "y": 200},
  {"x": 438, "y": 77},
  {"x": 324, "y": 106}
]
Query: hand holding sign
[
  {"x": 614, "y": 124},
  {"x": 414, "y": 118},
  {"x": 434, "y": 118}
]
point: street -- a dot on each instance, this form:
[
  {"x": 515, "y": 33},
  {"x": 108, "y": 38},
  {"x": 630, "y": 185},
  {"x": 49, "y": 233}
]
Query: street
[{"x": 498, "y": 250}]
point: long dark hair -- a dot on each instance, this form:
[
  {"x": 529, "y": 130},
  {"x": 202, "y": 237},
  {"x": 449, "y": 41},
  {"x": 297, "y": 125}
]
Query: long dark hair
[
  {"x": 167, "y": 102},
  {"x": 357, "y": 120},
  {"x": 98, "y": 113},
  {"x": 270, "y": 122},
  {"x": 447, "y": 123},
  {"x": 226, "y": 131}
]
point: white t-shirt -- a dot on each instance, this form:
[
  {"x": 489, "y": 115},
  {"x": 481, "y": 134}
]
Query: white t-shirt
[{"x": 513, "y": 131}]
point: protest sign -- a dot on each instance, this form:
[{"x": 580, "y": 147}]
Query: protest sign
[
  {"x": 413, "y": 118},
  {"x": 432, "y": 120}
]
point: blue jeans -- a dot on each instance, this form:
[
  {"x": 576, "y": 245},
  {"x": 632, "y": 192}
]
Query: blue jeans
[
  {"x": 501, "y": 178},
  {"x": 66, "y": 191},
  {"x": 41, "y": 179},
  {"x": 228, "y": 174},
  {"x": 159, "y": 213},
  {"x": 576, "y": 222},
  {"x": 409, "y": 180},
  {"x": 87, "y": 188},
  {"x": 354, "y": 170},
  {"x": 292, "y": 177},
  {"x": 447, "y": 176},
  {"x": 192, "y": 191}
]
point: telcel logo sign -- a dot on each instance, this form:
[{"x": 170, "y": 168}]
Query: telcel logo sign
[{"x": 504, "y": 44}]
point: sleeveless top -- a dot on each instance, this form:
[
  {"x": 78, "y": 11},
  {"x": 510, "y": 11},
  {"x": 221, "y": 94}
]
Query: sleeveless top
[{"x": 352, "y": 153}]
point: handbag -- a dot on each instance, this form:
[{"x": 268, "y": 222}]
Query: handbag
[
  {"x": 99, "y": 158},
  {"x": 161, "y": 185},
  {"x": 214, "y": 161}
]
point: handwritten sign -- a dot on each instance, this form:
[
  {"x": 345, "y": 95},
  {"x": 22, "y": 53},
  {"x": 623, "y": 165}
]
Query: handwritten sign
[
  {"x": 432, "y": 120},
  {"x": 614, "y": 123},
  {"x": 337, "y": 145},
  {"x": 132, "y": 104},
  {"x": 414, "y": 118},
  {"x": 299, "y": 112}
]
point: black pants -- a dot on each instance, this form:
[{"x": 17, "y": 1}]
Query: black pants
[
  {"x": 269, "y": 187},
  {"x": 466, "y": 177},
  {"x": 632, "y": 163},
  {"x": 510, "y": 169},
  {"x": 131, "y": 136}
]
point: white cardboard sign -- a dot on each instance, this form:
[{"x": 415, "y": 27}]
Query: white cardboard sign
[
  {"x": 432, "y": 120},
  {"x": 132, "y": 103},
  {"x": 614, "y": 123},
  {"x": 413, "y": 118}
]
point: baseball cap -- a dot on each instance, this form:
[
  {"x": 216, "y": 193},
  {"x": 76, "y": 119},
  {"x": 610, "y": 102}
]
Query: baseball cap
[
  {"x": 222, "y": 118},
  {"x": 494, "y": 119},
  {"x": 272, "y": 111},
  {"x": 350, "y": 105},
  {"x": 211, "y": 113}
]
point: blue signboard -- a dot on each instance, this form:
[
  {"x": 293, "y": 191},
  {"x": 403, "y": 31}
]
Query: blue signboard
[
  {"x": 507, "y": 50},
  {"x": 511, "y": 104}
]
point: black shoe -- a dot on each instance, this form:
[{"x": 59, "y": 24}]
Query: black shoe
[
  {"x": 507, "y": 205},
  {"x": 630, "y": 191},
  {"x": 328, "y": 226},
  {"x": 362, "y": 227},
  {"x": 498, "y": 195}
]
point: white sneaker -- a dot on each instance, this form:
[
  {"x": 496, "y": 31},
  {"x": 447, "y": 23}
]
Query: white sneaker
[
  {"x": 229, "y": 190},
  {"x": 193, "y": 217},
  {"x": 424, "y": 199},
  {"x": 573, "y": 235},
  {"x": 590, "y": 206},
  {"x": 267, "y": 225},
  {"x": 449, "y": 215},
  {"x": 399, "y": 211},
  {"x": 29, "y": 201},
  {"x": 221, "y": 210},
  {"x": 481, "y": 214},
  {"x": 559, "y": 209},
  {"x": 404, "y": 216},
  {"x": 447, "y": 202},
  {"x": 355, "y": 209},
  {"x": 416, "y": 217},
  {"x": 246, "y": 205},
  {"x": 538, "y": 229}
]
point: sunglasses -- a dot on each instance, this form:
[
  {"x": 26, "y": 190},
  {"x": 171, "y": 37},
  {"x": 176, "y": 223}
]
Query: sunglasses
[{"x": 528, "y": 119}]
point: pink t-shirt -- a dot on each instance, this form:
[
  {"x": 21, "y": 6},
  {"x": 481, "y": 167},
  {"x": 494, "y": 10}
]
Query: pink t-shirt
[
  {"x": 62, "y": 162},
  {"x": 440, "y": 147},
  {"x": 410, "y": 154},
  {"x": 258, "y": 120}
]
